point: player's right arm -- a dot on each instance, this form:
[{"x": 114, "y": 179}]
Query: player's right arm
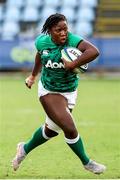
[{"x": 30, "y": 80}]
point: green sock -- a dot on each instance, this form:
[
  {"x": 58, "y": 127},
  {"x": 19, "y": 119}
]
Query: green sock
[
  {"x": 77, "y": 146},
  {"x": 36, "y": 140}
]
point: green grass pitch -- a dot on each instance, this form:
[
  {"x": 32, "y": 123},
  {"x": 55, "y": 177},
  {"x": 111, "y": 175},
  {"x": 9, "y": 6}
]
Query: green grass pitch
[{"x": 97, "y": 115}]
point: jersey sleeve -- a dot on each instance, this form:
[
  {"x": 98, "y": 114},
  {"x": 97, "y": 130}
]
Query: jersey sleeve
[
  {"x": 39, "y": 43},
  {"x": 75, "y": 39}
]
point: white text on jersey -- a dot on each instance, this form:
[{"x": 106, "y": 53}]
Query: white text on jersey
[{"x": 54, "y": 64}]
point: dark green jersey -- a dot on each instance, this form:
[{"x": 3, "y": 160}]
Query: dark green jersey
[{"x": 54, "y": 77}]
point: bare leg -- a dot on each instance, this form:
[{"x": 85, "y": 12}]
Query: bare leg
[{"x": 56, "y": 107}]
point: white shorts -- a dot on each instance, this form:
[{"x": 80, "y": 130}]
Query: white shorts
[{"x": 70, "y": 96}]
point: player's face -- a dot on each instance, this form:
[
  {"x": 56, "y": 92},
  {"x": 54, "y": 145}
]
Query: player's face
[{"x": 59, "y": 32}]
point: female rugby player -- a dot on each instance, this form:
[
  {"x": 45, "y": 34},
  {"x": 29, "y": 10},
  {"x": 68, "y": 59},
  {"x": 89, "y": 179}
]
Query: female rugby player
[{"x": 57, "y": 89}]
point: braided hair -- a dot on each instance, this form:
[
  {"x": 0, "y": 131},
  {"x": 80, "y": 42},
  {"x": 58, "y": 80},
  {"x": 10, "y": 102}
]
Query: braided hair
[{"x": 52, "y": 21}]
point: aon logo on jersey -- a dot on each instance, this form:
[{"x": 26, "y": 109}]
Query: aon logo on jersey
[{"x": 54, "y": 64}]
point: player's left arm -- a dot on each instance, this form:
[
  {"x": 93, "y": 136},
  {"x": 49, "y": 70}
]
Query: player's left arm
[
  {"x": 37, "y": 65},
  {"x": 89, "y": 53},
  {"x": 30, "y": 80}
]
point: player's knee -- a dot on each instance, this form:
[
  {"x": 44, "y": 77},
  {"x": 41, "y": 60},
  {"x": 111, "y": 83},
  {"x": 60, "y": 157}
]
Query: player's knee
[{"x": 70, "y": 132}]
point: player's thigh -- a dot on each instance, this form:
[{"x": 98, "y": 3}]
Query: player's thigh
[{"x": 56, "y": 107}]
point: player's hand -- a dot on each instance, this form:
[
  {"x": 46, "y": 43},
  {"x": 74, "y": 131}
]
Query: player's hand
[
  {"x": 67, "y": 64},
  {"x": 30, "y": 80}
]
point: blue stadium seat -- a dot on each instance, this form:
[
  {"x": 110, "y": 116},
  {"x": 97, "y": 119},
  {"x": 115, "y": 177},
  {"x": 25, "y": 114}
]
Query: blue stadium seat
[
  {"x": 47, "y": 11},
  {"x": 69, "y": 13},
  {"x": 10, "y": 29},
  {"x": 12, "y": 13},
  {"x": 30, "y": 14},
  {"x": 52, "y": 3},
  {"x": 17, "y": 3},
  {"x": 70, "y": 3},
  {"x": 89, "y": 3},
  {"x": 36, "y": 3},
  {"x": 85, "y": 14},
  {"x": 83, "y": 28}
]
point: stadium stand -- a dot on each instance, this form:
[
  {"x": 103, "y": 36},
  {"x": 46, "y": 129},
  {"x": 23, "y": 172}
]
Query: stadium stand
[
  {"x": 29, "y": 14},
  {"x": 108, "y": 18},
  {"x": 22, "y": 20}
]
